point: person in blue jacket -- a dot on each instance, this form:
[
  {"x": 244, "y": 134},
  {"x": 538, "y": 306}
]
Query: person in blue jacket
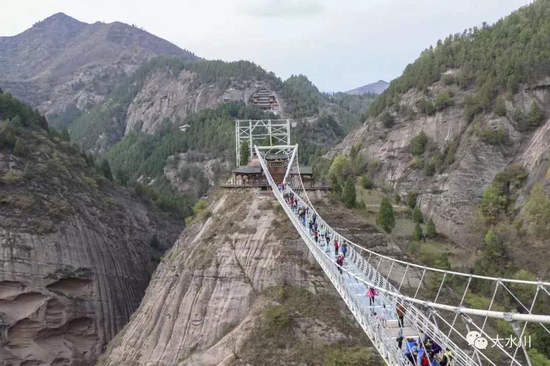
[{"x": 410, "y": 349}]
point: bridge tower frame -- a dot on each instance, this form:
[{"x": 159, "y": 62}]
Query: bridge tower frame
[{"x": 255, "y": 131}]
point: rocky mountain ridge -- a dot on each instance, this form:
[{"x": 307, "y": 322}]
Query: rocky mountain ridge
[
  {"x": 61, "y": 61},
  {"x": 375, "y": 88}
]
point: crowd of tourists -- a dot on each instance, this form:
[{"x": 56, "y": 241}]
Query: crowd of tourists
[
  {"x": 420, "y": 351},
  {"x": 423, "y": 351}
]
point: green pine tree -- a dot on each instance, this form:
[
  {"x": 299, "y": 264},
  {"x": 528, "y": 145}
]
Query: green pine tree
[
  {"x": 244, "y": 154},
  {"x": 350, "y": 196},
  {"x": 336, "y": 187},
  {"x": 443, "y": 262},
  {"x": 417, "y": 215},
  {"x": 411, "y": 199},
  {"x": 361, "y": 205},
  {"x": 430, "y": 229},
  {"x": 417, "y": 233},
  {"x": 418, "y": 144},
  {"x": 10, "y": 140},
  {"x": 500, "y": 107},
  {"x": 106, "y": 170},
  {"x": 386, "y": 216},
  {"x": 19, "y": 149},
  {"x": 28, "y": 173}
]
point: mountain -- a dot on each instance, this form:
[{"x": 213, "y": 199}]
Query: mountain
[
  {"x": 467, "y": 128},
  {"x": 374, "y": 88},
  {"x": 61, "y": 61},
  {"x": 240, "y": 288},
  {"x": 78, "y": 251},
  {"x": 168, "y": 88}
]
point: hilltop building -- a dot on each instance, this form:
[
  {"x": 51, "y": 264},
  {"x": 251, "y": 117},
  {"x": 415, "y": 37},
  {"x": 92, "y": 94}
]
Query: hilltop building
[{"x": 265, "y": 100}]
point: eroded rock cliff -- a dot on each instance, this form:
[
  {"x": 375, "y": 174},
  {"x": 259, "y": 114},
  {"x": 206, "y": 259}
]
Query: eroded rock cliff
[
  {"x": 75, "y": 253},
  {"x": 177, "y": 96},
  {"x": 238, "y": 267}
]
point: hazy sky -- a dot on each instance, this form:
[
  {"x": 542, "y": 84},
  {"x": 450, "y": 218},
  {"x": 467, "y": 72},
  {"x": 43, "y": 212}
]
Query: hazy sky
[{"x": 338, "y": 44}]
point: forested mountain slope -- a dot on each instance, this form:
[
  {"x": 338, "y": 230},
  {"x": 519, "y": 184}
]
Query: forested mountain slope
[
  {"x": 169, "y": 127},
  {"x": 76, "y": 251},
  {"x": 62, "y": 62},
  {"x": 167, "y": 87},
  {"x": 466, "y": 126}
]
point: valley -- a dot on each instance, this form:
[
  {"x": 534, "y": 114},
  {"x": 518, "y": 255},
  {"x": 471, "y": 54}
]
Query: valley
[{"x": 119, "y": 247}]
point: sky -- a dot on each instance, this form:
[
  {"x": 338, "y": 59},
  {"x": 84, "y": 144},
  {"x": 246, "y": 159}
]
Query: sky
[{"x": 337, "y": 44}]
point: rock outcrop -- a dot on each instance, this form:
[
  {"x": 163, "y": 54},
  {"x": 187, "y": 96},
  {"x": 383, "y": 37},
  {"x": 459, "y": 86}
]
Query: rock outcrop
[
  {"x": 76, "y": 255},
  {"x": 210, "y": 293},
  {"x": 451, "y": 196},
  {"x": 176, "y": 97}
]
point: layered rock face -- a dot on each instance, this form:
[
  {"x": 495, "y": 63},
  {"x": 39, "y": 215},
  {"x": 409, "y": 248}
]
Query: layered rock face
[
  {"x": 166, "y": 96},
  {"x": 450, "y": 197},
  {"x": 74, "y": 262},
  {"x": 207, "y": 295}
]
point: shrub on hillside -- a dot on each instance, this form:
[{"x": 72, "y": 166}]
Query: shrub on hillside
[
  {"x": 535, "y": 115},
  {"x": 19, "y": 149},
  {"x": 387, "y": 120},
  {"x": 500, "y": 107},
  {"x": 366, "y": 183},
  {"x": 411, "y": 199},
  {"x": 417, "y": 233},
  {"x": 443, "y": 100},
  {"x": 418, "y": 144}
]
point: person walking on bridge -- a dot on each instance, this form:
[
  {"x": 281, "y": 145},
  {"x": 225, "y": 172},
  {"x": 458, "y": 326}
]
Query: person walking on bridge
[
  {"x": 344, "y": 248},
  {"x": 384, "y": 316},
  {"x": 340, "y": 263},
  {"x": 371, "y": 294},
  {"x": 335, "y": 246},
  {"x": 400, "y": 310}
]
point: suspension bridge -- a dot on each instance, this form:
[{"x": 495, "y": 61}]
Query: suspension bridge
[{"x": 437, "y": 313}]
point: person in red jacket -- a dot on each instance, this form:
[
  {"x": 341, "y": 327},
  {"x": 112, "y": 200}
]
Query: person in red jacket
[
  {"x": 371, "y": 294},
  {"x": 340, "y": 262},
  {"x": 335, "y": 246}
]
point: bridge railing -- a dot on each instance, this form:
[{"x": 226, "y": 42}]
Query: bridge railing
[
  {"x": 383, "y": 340},
  {"x": 371, "y": 277},
  {"x": 417, "y": 319}
]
